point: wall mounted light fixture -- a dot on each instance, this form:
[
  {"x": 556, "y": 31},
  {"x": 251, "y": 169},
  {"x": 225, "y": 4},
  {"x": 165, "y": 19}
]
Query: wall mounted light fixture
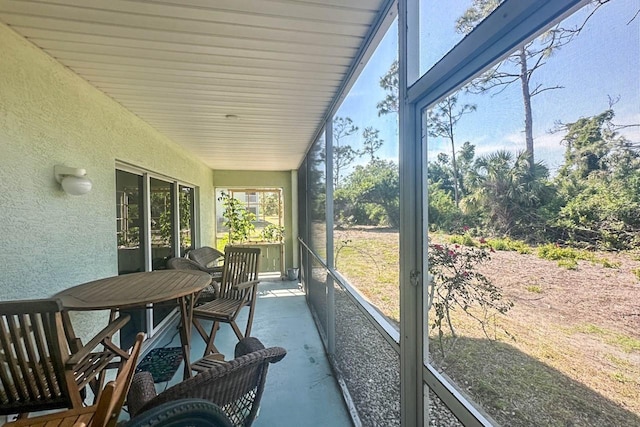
[{"x": 74, "y": 181}]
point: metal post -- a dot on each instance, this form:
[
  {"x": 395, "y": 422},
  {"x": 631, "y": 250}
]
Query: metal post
[
  {"x": 331, "y": 313},
  {"x": 411, "y": 321}
]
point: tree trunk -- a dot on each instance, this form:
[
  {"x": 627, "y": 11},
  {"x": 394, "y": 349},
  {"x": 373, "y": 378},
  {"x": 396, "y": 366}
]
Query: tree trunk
[
  {"x": 455, "y": 173},
  {"x": 453, "y": 156},
  {"x": 526, "y": 98}
]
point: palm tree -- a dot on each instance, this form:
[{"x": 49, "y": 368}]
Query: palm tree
[{"x": 507, "y": 191}]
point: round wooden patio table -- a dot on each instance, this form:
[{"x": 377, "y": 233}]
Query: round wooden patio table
[{"x": 139, "y": 290}]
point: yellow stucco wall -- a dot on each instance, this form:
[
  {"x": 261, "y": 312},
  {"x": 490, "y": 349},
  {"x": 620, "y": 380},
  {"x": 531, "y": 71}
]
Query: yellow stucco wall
[
  {"x": 49, "y": 116},
  {"x": 264, "y": 179}
]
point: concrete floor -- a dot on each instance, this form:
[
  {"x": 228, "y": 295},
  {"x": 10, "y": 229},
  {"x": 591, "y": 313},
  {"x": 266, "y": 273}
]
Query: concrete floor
[{"x": 301, "y": 389}]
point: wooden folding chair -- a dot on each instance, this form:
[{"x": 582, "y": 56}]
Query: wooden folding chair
[
  {"x": 105, "y": 412},
  {"x": 238, "y": 289},
  {"x": 42, "y": 367}
]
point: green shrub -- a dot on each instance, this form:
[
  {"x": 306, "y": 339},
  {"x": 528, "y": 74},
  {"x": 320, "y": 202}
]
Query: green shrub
[
  {"x": 521, "y": 247},
  {"x": 456, "y": 239},
  {"x": 556, "y": 253},
  {"x": 569, "y": 264},
  {"x": 467, "y": 240},
  {"x": 636, "y": 272},
  {"x": 443, "y": 212},
  {"x": 535, "y": 289},
  {"x": 608, "y": 264},
  {"x": 571, "y": 255},
  {"x": 464, "y": 240},
  {"x": 507, "y": 244},
  {"x": 498, "y": 244}
]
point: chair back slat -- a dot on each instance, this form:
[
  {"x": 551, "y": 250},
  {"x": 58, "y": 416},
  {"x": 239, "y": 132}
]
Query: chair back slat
[
  {"x": 240, "y": 265},
  {"x": 32, "y": 350},
  {"x": 19, "y": 329},
  {"x": 9, "y": 393},
  {"x": 42, "y": 336},
  {"x": 32, "y": 371}
]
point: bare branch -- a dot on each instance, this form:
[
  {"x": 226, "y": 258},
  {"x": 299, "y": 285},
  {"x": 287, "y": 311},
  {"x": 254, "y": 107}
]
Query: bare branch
[
  {"x": 538, "y": 90},
  {"x": 613, "y": 101},
  {"x": 485, "y": 84},
  {"x": 634, "y": 17},
  {"x": 619, "y": 127}
]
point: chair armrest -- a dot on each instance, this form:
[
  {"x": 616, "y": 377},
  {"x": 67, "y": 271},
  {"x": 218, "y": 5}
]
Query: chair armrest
[
  {"x": 245, "y": 285},
  {"x": 142, "y": 390},
  {"x": 107, "y": 332}
]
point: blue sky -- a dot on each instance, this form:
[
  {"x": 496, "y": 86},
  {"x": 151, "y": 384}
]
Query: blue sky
[{"x": 604, "y": 60}]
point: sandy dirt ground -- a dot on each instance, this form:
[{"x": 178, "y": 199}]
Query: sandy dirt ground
[{"x": 585, "y": 322}]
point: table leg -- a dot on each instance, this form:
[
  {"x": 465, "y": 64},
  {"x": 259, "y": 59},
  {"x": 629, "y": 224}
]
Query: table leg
[
  {"x": 124, "y": 355},
  {"x": 186, "y": 317}
]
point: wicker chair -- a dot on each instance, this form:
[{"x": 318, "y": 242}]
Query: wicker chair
[
  {"x": 208, "y": 259},
  {"x": 183, "y": 412},
  {"x": 235, "y": 386},
  {"x": 37, "y": 370},
  {"x": 207, "y": 294},
  {"x": 105, "y": 412},
  {"x": 238, "y": 289}
]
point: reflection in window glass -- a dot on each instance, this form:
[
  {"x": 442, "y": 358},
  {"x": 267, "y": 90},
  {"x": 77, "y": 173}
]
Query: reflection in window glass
[
  {"x": 162, "y": 223},
  {"x": 130, "y": 232},
  {"x": 186, "y": 219},
  {"x": 534, "y": 231},
  {"x": 366, "y": 181},
  {"x": 162, "y": 235}
]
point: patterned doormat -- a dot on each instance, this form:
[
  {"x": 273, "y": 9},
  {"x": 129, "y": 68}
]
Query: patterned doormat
[{"x": 162, "y": 363}]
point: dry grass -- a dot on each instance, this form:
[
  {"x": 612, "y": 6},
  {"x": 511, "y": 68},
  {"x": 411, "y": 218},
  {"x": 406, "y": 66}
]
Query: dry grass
[{"x": 573, "y": 357}]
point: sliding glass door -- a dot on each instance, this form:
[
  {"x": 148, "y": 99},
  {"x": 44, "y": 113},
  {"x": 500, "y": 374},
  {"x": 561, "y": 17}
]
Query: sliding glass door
[{"x": 155, "y": 221}]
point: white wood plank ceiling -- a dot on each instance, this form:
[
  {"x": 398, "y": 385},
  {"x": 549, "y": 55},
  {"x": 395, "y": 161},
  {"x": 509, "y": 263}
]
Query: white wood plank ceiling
[{"x": 243, "y": 84}]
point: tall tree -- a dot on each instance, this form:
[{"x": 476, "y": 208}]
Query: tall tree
[
  {"x": 599, "y": 183},
  {"x": 343, "y": 154},
  {"x": 595, "y": 144},
  {"x": 389, "y": 82},
  {"x": 465, "y": 159},
  {"x": 521, "y": 66},
  {"x": 439, "y": 171},
  {"x": 442, "y": 117},
  {"x": 371, "y": 143},
  {"x": 441, "y": 123},
  {"x": 377, "y": 183}
]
